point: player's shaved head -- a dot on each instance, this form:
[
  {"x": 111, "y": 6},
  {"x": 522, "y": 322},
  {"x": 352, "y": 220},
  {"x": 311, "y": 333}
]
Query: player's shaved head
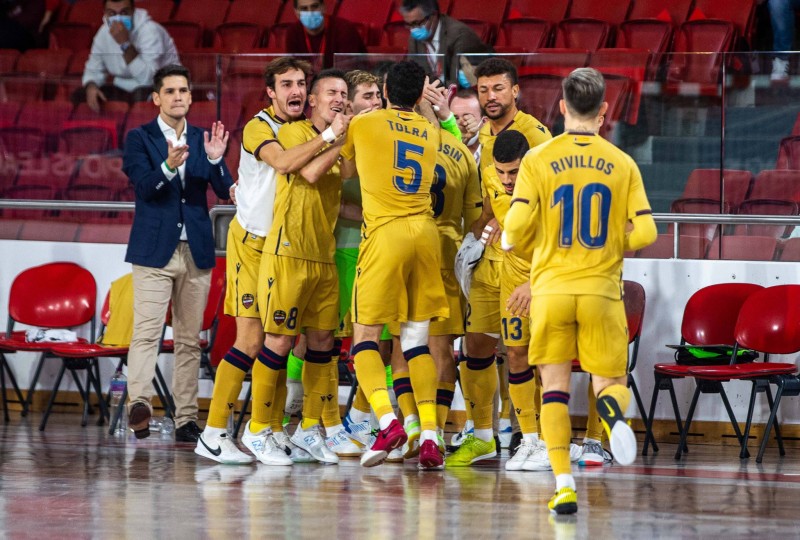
[
  {"x": 584, "y": 92},
  {"x": 404, "y": 84},
  {"x": 326, "y": 74},
  {"x": 510, "y": 146}
]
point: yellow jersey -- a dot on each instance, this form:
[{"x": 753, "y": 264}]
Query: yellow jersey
[
  {"x": 455, "y": 195},
  {"x": 305, "y": 213},
  {"x": 395, "y": 154},
  {"x": 501, "y": 202},
  {"x": 586, "y": 189},
  {"x": 534, "y": 131}
]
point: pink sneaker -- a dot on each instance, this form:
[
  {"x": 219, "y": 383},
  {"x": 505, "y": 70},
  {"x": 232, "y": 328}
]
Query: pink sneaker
[
  {"x": 429, "y": 456},
  {"x": 387, "y": 440}
]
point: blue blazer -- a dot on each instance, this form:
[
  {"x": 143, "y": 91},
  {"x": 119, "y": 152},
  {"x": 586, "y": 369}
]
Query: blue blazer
[{"x": 163, "y": 207}]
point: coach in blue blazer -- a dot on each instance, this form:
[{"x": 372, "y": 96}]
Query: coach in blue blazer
[{"x": 170, "y": 165}]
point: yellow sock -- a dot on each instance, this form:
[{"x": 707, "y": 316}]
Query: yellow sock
[
  {"x": 330, "y": 409},
  {"x": 279, "y": 403},
  {"x": 371, "y": 375},
  {"x": 537, "y": 399},
  {"x": 403, "y": 391},
  {"x": 463, "y": 376},
  {"x": 594, "y": 427},
  {"x": 557, "y": 430},
  {"x": 424, "y": 380},
  {"x": 227, "y": 386},
  {"x": 504, "y": 388},
  {"x": 481, "y": 385},
  {"x": 265, "y": 376},
  {"x": 444, "y": 400},
  {"x": 360, "y": 402},
  {"x": 316, "y": 381},
  {"x": 522, "y": 387},
  {"x": 620, "y": 393}
]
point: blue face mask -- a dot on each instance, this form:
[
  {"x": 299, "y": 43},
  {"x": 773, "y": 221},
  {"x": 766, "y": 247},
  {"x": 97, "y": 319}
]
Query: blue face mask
[
  {"x": 311, "y": 19},
  {"x": 463, "y": 82},
  {"x": 420, "y": 33},
  {"x": 126, "y": 20}
]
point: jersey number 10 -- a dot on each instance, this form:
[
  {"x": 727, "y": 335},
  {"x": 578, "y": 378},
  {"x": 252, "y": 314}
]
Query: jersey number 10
[{"x": 564, "y": 195}]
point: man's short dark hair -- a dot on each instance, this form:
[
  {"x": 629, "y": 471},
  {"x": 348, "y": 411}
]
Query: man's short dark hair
[
  {"x": 320, "y": 1},
  {"x": 170, "y": 70},
  {"x": 584, "y": 91},
  {"x": 428, "y": 7},
  {"x": 467, "y": 93},
  {"x": 279, "y": 66},
  {"x": 510, "y": 146},
  {"x": 497, "y": 66},
  {"x": 107, "y": 1},
  {"x": 326, "y": 74},
  {"x": 404, "y": 84}
]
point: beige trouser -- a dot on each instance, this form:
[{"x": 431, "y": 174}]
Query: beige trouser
[{"x": 187, "y": 286}]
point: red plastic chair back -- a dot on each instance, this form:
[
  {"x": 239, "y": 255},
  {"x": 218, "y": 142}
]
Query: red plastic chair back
[
  {"x": 710, "y": 315},
  {"x": 216, "y": 294},
  {"x": 54, "y": 295},
  {"x": 634, "y": 299},
  {"x": 105, "y": 312},
  {"x": 769, "y": 320}
]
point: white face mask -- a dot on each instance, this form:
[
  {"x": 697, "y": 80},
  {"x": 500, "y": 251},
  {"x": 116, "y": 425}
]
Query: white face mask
[{"x": 126, "y": 20}]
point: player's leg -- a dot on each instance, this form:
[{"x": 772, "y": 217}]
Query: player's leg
[
  {"x": 404, "y": 392},
  {"x": 504, "y": 418},
  {"x": 592, "y": 452},
  {"x": 532, "y": 452},
  {"x": 442, "y": 352},
  {"x": 293, "y": 404}
]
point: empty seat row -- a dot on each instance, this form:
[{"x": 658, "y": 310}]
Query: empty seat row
[{"x": 728, "y": 247}]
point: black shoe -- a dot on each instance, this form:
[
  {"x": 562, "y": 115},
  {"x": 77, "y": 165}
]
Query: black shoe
[
  {"x": 188, "y": 432},
  {"x": 139, "y": 420},
  {"x": 516, "y": 440},
  {"x": 497, "y": 444}
]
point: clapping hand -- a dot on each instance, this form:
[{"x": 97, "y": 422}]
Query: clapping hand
[
  {"x": 176, "y": 155},
  {"x": 215, "y": 142}
]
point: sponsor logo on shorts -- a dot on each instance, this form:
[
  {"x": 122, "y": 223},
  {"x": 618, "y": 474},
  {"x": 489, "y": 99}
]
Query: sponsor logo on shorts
[
  {"x": 248, "y": 300},
  {"x": 279, "y": 317}
]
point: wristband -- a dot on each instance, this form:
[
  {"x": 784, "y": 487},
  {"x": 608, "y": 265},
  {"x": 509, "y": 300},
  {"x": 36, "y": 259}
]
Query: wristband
[
  {"x": 125, "y": 46},
  {"x": 328, "y": 136},
  {"x": 170, "y": 169},
  {"x": 451, "y": 124}
]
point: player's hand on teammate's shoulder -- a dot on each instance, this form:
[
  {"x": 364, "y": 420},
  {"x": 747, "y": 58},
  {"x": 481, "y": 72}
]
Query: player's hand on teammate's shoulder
[{"x": 519, "y": 303}]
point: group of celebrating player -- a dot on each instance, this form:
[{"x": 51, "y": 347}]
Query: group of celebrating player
[{"x": 548, "y": 219}]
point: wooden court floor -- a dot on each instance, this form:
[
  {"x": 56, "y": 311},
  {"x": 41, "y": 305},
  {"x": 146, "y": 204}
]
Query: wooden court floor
[{"x": 73, "y": 482}]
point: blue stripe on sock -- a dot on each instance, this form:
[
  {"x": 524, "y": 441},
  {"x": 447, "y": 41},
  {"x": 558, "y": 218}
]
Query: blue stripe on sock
[
  {"x": 365, "y": 346},
  {"x": 521, "y": 377},
  {"x": 271, "y": 359},
  {"x": 478, "y": 364},
  {"x": 238, "y": 359},
  {"x": 410, "y": 354},
  {"x": 555, "y": 396}
]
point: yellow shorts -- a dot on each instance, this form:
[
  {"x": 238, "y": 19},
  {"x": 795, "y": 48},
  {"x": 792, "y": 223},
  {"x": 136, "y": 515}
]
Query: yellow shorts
[
  {"x": 297, "y": 294},
  {"x": 483, "y": 307},
  {"x": 397, "y": 277},
  {"x": 242, "y": 261},
  {"x": 589, "y": 327},
  {"x": 514, "y": 329},
  {"x": 454, "y": 324}
]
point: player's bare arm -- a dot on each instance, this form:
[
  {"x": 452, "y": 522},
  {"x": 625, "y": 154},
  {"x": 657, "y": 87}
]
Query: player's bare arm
[
  {"x": 291, "y": 160},
  {"x": 486, "y": 225}
]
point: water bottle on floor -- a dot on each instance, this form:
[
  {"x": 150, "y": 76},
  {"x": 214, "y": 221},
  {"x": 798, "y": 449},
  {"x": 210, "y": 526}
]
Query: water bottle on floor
[
  {"x": 162, "y": 424},
  {"x": 117, "y": 389}
]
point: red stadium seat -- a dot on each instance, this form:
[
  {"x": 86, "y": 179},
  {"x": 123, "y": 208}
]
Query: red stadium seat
[
  {"x": 790, "y": 251},
  {"x": 55, "y": 171},
  {"x": 87, "y": 12},
  {"x": 47, "y": 115},
  {"x": 371, "y": 15},
  {"x": 712, "y": 37},
  {"x": 769, "y": 323},
  {"x": 741, "y": 13},
  {"x": 528, "y": 34},
  {"x": 743, "y": 248},
  {"x": 159, "y": 10},
  {"x": 100, "y": 170},
  {"x": 559, "y": 62},
  {"x": 632, "y": 64},
  {"x": 9, "y": 113},
  {"x": 653, "y": 35},
  {"x": 206, "y": 13},
  {"x": 113, "y": 111},
  {"x": 703, "y": 186},
  {"x": 709, "y": 318},
  {"x": 675, "y": 11},
  {"x": 689, "y": 247},
  {"x": 81, "y": 137},
  {"x": 396, "y": 34},
  {"x": 202, "y": 114},
  {"x": 36, "y": 193},
  {"x": 789, "y": 153},
  {"x": 770, "y": 184},
  {"x": 187, "y": 35},
  {"x": 38, "y": 72},
  {"x": 612, "y": 12},
  {"x": 768, "y": 207},
  {"x": 552, "y": 12},
  {"x": 478, "y": 13},
  {"x": 696, "y": 206},
  {"x": 539, "y": 96},
  {"x": 238, "y": 37},
  {"x": 8, "y": 60},
  {"x": 140, "y": 113},
  {"x": 23, "y": 142},
  {"x": 72, "y": 36},
  {"x": 618, "y": 92},
  {"x": 586, "y": 34},
  {"x": 263, "y": 14}
]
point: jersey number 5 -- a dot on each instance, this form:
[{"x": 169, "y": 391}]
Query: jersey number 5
[
  {"x": 404, "y": 160},
  {"x": 565, "y": 196}
]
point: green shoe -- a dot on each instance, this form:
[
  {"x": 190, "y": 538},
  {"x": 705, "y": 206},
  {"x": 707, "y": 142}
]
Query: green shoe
[{"x": 470, "y": 451}]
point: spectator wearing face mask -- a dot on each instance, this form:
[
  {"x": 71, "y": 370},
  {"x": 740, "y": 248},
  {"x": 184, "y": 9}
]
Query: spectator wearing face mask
[
  {"x": 438, "y": 41},
  {"x": 127, "y": 51},
  {"x": 317, "y": 33}
]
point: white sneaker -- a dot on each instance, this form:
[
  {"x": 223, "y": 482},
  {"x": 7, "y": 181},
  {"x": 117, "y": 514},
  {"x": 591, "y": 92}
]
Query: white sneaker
[
  {"x": 592, "y": 454},
  {"x": 575, "y": 452},
  {"x": 780, "y": 70},
  {"x": 297, "y": 455},
  {"x": 360, "y": 432},
  {"x": 459, "y": 437},
  {"x": 525, "y": 450},
  {"x": 395, "y": 456},
  {"x": 312, "y": 441},
  {"x": 538, "y": 460},
  {"x": 221, "y": 449},
  {"x": 620, "y": 435},
  {"x": 264, "y": 447},
  {"x": 341, "y": 445}
]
